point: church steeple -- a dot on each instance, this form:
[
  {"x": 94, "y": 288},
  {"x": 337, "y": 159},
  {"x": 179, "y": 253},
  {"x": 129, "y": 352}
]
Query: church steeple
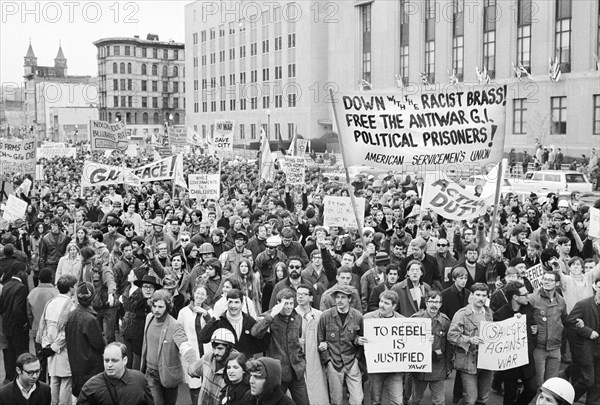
[
  {"x": 60, "y": 62},
  {"x": 30, "y": 61}
]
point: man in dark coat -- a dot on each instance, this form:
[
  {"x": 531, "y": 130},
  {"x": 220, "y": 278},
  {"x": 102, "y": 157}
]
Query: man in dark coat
[
  {"x": 518, "y": 305},
  {"x": 15, "y": 324},
  {"x": 476, "y": 272},
  {"x": 586, "y": 353},
  {"x": 457, "y": 295},
  {"x": 28, "y": 369},
  {"x": 85, "y": 343},
  {"x": 53, "y": 246}
]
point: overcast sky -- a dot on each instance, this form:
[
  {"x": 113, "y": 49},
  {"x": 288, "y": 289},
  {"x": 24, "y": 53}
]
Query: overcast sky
[{"x": 77, "y": 24}]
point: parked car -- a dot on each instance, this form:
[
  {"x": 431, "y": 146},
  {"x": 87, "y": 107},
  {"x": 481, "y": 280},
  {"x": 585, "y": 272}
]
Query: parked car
[
  {"x": 552, "y": 181},
  {"x": 471, "y": 183}
]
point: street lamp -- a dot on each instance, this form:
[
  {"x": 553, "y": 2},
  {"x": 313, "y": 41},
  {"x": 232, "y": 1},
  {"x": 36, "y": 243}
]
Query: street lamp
[{"x": 269, "y": 125}]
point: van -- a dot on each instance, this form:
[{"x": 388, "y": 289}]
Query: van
[{"x": 553, "y": 181}]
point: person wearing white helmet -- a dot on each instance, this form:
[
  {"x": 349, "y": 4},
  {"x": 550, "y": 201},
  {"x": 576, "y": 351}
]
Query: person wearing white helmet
[
  {"x": 556, "y": 391},
  {"x": 211, "y": 366}
]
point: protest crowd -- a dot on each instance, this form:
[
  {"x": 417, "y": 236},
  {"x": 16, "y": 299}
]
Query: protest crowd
[{"x": 131, "y": 293}]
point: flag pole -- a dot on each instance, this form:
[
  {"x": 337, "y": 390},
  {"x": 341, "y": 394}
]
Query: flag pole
[
  {"x": 496, "y": 198},
  {"x": 350, "y": 187}
]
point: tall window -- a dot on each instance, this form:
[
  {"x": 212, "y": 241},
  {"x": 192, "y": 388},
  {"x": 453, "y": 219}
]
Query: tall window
[
  {"x": 519, "y": 109},
  {"x": 596, "y": 124},
  {"x": 366, "y": 41},
  {"x": 489, "y": 37},
  {"x": 430, "y": 40},
  {"x": 558, "y": 110},
  {"x": 562, "y": 38},
  {"x": 252, "y": 131},
  {"x": 242, "y": 131},
  {"x": 404, "y": 18},
  {"x": 598, "y": 36},
  {"x": 458, "y": 39},
  {"x": 524, "y": 33}
]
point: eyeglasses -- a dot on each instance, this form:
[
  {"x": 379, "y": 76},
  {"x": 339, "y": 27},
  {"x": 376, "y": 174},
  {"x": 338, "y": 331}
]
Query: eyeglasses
[
  {"x": 148, "y": 287},
  {"x": 549, "y": 280},
  {"x": 317, "y": 257},
  {"x": 31, "y": 373},
  {"x": 442, "y": 244},
  {"x": 295, "y": 267},
  {"x": 185, "y": 240}
]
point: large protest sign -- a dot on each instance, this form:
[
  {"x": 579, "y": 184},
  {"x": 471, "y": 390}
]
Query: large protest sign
[
  {"x": 177, "y": 138},
  {"x": 594, "y": 230},
  {"x": 425, "y": 131},
  {"x": 398, "y": 344},
  {"x": 295, "y": 170},
  {"x": 17, "y": 156},
  {"x": 301, "y": 146},
  {"x": 338, "y": 211},
  {"x": 504, "y": 344},
  {"x": 162, "y": 170},
  {"x": 97, "y": 174},
  {"x": 104, "y": 135},
  {"x": 204, "y": 186},
  {"x": 51, "y": 152},
  {"x": 223, "y": 135},
  {"x": 449, "y": 199},
  {"x": 535, "y": 274},
  {"x": 15, "y": 208}
]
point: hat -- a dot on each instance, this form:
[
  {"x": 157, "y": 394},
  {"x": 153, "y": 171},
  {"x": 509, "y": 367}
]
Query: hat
[
  {"x": 516, "y": 261},
  {"x": 117, "y": 203},
  {"x": 8, "y": 238},
  {"x": 113, "y": 221},
  {"x": 273, "y": 241},
  {"x": 138, "y": 239},
  {"x": 206, "y": 248},
  {"x": 322, "y": 228},
  {"x": 169, "y": 282},
  {"x": 158, "y": 222},
  {"x": 239, "y": 234},
  {"x": 287, "y": 232},
  {"x": 148, "y": 279},
  {"x": 215, "y": 264},
  {"x": 411, "y": 193},
  {"x": 382, "y": 259},
  {"x": 533, "y": 196},
  {"x": 85, "y": 293},
  {"x": 563, "y": 203},
  {"x": 547, "y": 254},
  {"x": 18, "y": 223},
  {"x": 344, "y": 289}
]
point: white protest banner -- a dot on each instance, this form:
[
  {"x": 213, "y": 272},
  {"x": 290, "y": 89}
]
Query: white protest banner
[
  {"x": 449, "y": 199},
  {"x": 594, "y": 230},
  {"x": 205, "y": 186},
  {"x": 193, "y": 137},
  {"x": 24, "y": 187},
  {"x": 49, "y": 153},
  {"x": 504, "y": 344},
  {"x": 132, "y": 150},
  {"x": 17, "y": 156},
  {"x": 162, "y": 170},
  {"x": 301, "y": 146},
  {"x": 398, "y": 344},
  {"x": 104, "y": 135},
  {"x": 39, "y": 172},
  {"x": 177, "y": 138},
  {"x": 535, "y": 274},
  {"x": 15, "y": 208},
  {"x": 223, "y": 135},
  {"x": 295, "y": 170},
  {"x": 97, "y": 174},
  {"x": 424, "y": 131},
  {"x": 338, "y": 211}
]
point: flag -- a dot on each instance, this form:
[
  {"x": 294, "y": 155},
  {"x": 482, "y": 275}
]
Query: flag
[
  {"x": 399, "y": 82},
  {"x": 267, "y": 169},
  {"x": 193, "y": 137},
  {"x": 554, "y": 70},
  {"x": 482, "y": 75},
  {"x": 292, "y": 149},
  {"x": 489, "y": 189},
  {"x": 452, "y": 77},
  {"x": 424, "y": 78},
  {"x": 179, "y": 179}
]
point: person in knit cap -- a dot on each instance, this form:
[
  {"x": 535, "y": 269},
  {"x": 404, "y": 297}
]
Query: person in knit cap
[{"x": 85, "y": 343}]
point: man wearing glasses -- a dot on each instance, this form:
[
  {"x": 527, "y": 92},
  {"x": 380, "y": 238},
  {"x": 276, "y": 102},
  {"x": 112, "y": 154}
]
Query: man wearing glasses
[
  {"x": 440, "y": 358},
  {"x": 266, "y": 261},
  {"x": 550, "y": 312},
  {"x": 293, "y": 281},
  {"x": 518, "y": 305},
  {"x": 445, "y": 261},
  {"x": 26, "y": 388}
]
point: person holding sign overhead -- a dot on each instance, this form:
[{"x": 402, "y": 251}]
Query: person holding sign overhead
[{"x": 464, "y": 334}]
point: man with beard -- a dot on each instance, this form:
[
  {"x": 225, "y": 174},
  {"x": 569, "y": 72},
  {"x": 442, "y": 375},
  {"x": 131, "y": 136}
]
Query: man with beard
[
  {"x": 339, "y": 336},
  {"x": 431, "y": 274},
  {"x": 233, "y": 257},
  {"x": 165, "y": 342},
  {"x": 286, "y": 330},
  {"x": 293, "y": 280},
  {"x": 211, "y": 366},
  {"x": 476, "y": 272},
  {"x": 266, "y": 261}
]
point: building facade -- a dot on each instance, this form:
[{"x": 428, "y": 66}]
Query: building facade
[
  {"x": 263, "y": 64},
  {"x": 51, "y": 86},
  {"x": 141, "y": 82}
]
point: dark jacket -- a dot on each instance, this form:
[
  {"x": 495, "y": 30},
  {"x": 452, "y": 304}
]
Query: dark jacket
[
  {"x": 586, "y": 351},
  {"x": 480, "y": 274},
  {"x": 52, "y": 248},
  {"x": 234, "y": 394},
  {"x": 85, "y": 346},
  {"x": 527, "y": 370},
  {"x": 406, "y": 305},
  {"x": 272, "y": 394},
  {"x": 441, "y": 360},
  {"x": 131, "y": 389},
  {"x": 13, "y": 308},
  {"x": 453, "y": 300},
  {"x": 11, "y": 394},
  {"x": 431, "y": 274},
  {"x": 247, "y": 344},
  {"x": 286, "y": 332}
]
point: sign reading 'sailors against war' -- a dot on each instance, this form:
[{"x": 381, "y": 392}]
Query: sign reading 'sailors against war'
[{"x": 422, "y": 131}]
